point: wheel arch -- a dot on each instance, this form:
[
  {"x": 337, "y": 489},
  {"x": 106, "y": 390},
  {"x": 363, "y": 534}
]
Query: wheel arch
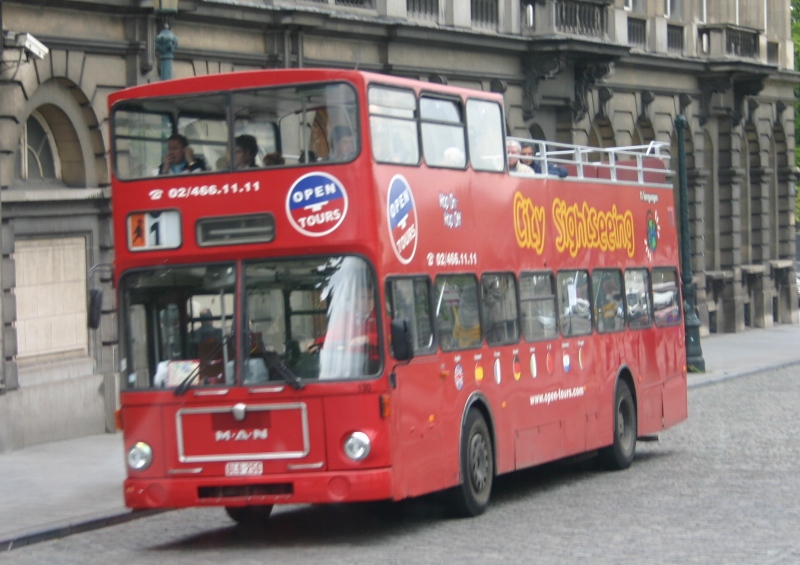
[
  {"x": 480, "y": 403},
  {"x": 625, "y": 375}
]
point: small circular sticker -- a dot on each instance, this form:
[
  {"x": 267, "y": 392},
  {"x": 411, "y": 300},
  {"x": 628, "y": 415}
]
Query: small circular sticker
[
  {"x": 316, "y": 204},
  {"x": 403, "y": 225}
]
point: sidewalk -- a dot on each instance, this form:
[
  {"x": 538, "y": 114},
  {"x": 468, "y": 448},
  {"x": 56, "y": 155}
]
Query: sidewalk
[{"x": 56, "y": 489}]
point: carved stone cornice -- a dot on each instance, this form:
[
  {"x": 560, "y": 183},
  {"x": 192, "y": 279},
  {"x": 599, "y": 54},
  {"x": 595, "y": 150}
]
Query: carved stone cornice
[
  {"x": 536, "y": 69},
  {"x": 647, "y": 97},
  {"x": 741, "y": 89},
  {"x": 586, "y": 75},
  {"x": 708, "y": 87},
  {"x": 743, "y": 85}
]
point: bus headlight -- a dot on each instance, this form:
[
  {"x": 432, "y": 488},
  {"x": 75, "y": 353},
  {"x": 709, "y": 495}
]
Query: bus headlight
[
  {"x": 140, "y": 456},
  {"x": 357, "y": 446}
]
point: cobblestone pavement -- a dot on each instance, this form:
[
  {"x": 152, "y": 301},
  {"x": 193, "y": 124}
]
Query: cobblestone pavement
[{"x": 722, "y": 487}]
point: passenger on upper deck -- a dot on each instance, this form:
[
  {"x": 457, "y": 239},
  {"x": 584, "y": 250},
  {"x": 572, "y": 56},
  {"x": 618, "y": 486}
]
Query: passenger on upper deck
[
  {"x": 245, "y": 150},
  {"x": 528, "y": 151},
  {"x": 180, "y": 158},
  {"x": 514, "y": 164},
  {"x": 344, "y": 145}
]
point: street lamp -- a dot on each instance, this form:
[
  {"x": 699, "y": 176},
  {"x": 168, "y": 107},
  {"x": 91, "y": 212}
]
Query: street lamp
[
  {"x": 166, "y": 42},
  {"x": 694, "y": 353}
]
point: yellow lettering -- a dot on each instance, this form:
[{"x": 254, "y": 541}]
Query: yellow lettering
[
  {"x": 529, "y": 224},
  {"x": 584, "y": 227}
]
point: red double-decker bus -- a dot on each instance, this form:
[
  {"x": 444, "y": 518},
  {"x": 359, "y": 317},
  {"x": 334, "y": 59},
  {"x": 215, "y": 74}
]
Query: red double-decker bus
[{"x": 337, "y": 286}]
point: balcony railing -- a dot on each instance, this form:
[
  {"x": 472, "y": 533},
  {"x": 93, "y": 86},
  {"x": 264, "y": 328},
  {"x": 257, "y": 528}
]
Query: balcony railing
[
  {"x": 726, "y": 40},
  {"x": 675, "y": 40},
  {"x": 484, "y": 13},
  {"x": 637, "y": 33},
  {"x": 581, "y": 18},
  {"x": 741, "y": 43}
]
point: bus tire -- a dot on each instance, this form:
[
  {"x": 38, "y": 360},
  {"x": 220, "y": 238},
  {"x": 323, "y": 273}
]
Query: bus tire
[
  {"x": 619, "y": 455},
  {"x": 249, "y": 514},
  {"x": 471, "y": 497}
]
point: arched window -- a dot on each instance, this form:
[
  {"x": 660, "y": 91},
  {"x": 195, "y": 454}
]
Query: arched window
[{"x": 37, "y": 158}]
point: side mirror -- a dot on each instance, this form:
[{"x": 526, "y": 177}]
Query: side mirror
[
  {"x": 95, "y": 307},
  {"x": 402, "y": 346}
]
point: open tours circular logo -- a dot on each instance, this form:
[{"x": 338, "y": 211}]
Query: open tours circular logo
[
  {"x": 316, "y": 204},
  {"x": 403, "y": 224}
]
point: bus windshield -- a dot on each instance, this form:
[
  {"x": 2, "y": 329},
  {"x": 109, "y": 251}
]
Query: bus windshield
[
  {"x": 244, "y": 129},
  {"x": 319, "y": 314},
  {"x": 310, "y": 318}
]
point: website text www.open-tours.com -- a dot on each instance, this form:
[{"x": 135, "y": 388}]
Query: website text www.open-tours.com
[{"x": 553, "y": 395}]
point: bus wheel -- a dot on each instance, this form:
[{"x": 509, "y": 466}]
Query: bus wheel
[
  {"x": 619, "y": 455},
  {"x": 471, "y": 497},
  {"x": 249, "y": 514}
]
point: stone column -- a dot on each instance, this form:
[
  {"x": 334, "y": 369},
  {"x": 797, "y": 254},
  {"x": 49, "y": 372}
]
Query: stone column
[{"x": 730, "y": 221}]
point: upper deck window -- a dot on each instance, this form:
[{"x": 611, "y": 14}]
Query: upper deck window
[
  {"x": 442, "y": 133},
  {"x": 246, "y": 129},
  {"x": 393, "y": 125},
  {"x": 485, "y": 126}
]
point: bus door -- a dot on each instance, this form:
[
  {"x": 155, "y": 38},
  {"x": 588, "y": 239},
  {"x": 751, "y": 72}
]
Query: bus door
[
  {"x": 420, "y": 391},
  {"x": 576, "y": 358},
  {"x": 640, "y": 324},
  {"x": 609, "y": 314}
]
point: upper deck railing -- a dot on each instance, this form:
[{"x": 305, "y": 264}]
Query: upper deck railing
[{"x": 636, "y": 163}]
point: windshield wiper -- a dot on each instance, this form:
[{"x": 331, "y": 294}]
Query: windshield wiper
[
  {"x": 275, "y": 363},
  {"x": 204, "y": 362}
]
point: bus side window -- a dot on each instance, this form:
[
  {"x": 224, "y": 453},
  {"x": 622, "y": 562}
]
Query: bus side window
[
  {"x": 409, "y": 298},
  {"x": 485, "y": 127},
  {"x": 393, "y": 125},
  {"x": 499, "y": 297},
  {"x": 607, "y": 296},
  {"x": 458, "y": 323},
  {"x": 637, "y": 299},
  {"x": 538, "y": 305},
  {"x": 574, "y": 303},
  {"x": 666, "y": 298},
  {"x": 442, "y": 133}
]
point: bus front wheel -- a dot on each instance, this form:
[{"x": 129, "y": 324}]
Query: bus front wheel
[
  {"x": 619, "y": 455},
  {"x": 471, "y": 497},
  {"x": 249, "y": 514}
]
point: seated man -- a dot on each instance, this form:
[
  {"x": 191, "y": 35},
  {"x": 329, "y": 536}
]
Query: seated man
[
  {"x": 180, "y": 158},
  {"x": 206, "y": 333},
  {"x": 527, "y": 151},
  {"x": 515, "y": 165}
]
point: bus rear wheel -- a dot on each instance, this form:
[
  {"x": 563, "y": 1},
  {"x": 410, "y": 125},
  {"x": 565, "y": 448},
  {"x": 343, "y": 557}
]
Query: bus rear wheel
[
  {"x": 619, "y": 455},
  {"x": 471, "y": 497},
  {"x": 249, "y": 514}
]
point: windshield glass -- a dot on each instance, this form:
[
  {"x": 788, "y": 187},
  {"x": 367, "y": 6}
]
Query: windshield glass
[
  {"x": 179, "y": 325},
  {"x": 241, "y": 130},
  {"x": 318, "y": 315}
]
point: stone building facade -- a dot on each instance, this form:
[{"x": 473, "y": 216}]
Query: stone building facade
[{"x": 596, "y": 72}]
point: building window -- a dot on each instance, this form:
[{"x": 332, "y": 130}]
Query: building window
[
  {"x": 51, "y": 296},
  {"x": 38, "y": 162},
  {"x": 484, "y": 13},
  {"x": 637, "y": 33}
]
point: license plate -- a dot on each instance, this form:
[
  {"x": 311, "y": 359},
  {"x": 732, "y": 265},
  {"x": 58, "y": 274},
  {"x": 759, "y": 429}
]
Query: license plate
[{"x": 241, "y": 469}]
